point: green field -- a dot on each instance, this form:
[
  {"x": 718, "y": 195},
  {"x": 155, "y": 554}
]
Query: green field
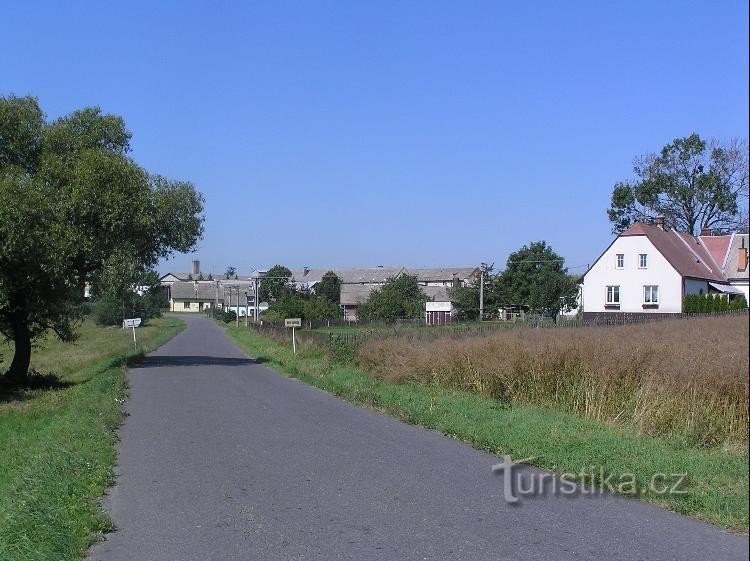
[
  {"x": 57, "y": 445},
  {"x": 715, "y": 490}
]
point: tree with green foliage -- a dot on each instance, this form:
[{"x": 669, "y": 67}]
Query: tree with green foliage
[
  {"x": 76, "y": 209},
  {"x": 399, "y": 298},
  {"x": 320, "y": 308},
  {"x": 275, "y": 283},
  {"x": 691, "y": 183},
  {"x": 466, "y": 298},
  {"x": 536, "y": 276},
  {"x": 289, "y": 304},
  {"x": 329, "y": 287},
  {"x": 144, "y": 300}
]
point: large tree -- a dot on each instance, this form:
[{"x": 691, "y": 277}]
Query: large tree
[
  {"x": 275, "y": 283},
  {"x": 536, "y": 276},
  {"x": 75, "y": 209},
  {"x": 691, "y": 183},
  {"x": 400, "y": 297},
  {"x": 329, "y": 287}
]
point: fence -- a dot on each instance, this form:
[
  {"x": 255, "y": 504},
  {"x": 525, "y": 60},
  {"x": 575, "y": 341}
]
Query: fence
[
  {"x": 347, "y": 341},
  {"x": 600, "y": 319}
]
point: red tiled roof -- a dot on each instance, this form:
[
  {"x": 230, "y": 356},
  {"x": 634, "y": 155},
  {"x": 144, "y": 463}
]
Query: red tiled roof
[
  {"x": 687, "y": 254},
  {"x": 717, "y": 247}
]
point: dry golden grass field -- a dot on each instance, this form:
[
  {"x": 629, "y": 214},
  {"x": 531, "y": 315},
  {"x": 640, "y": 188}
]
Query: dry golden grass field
[{"x": 686, "y": 378}]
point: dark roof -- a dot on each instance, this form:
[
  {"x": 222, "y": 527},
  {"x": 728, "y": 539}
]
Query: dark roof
[
  {"x": 354, "y": 294},
  {"x": 687, "y": 254},
  {"x": 436, "y": 293},
  {"x": 196, "y": 291},
  {"x": 442, "y": 273},
  {"x": 355, "y": 275}
]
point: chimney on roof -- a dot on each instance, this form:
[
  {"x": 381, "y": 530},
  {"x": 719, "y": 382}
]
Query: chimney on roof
[
  {"x": 659, "y": 221},
  {"x": 706, "y": 232},
  {"x": 196, "y": 267},
  {"x": 742, "y": 257},
  {"x": 456, "y": 281},
  {"x": 306, "y": 270}
]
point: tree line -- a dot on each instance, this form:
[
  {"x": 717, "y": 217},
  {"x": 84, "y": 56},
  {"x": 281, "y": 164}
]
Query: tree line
[{"x": 534, "y": 277}]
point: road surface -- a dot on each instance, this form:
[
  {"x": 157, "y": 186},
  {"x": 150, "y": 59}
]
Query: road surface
[{"x": 224, "y": 459}]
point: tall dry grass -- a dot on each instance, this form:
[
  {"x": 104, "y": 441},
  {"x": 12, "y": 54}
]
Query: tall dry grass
[{"x": 687, "y": 377}]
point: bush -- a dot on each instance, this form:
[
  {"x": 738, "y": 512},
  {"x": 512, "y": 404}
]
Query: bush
[
  {"x": 738, "y": 303},
  {"x": 109, "y": 310},
  {"x": 342, "y": 350},
  {"x": 228, "y": 316},
  {"x": 711, "y": 303}
]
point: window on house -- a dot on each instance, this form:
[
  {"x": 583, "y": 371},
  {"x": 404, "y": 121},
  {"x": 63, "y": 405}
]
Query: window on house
[
  {"x": 620, "y": 261},
  {"x": 613, "y": 295},
  {"x": 186, "y": 305},
  {"x": 650, "y": 294},
  {"x": 642, "y": 261}
]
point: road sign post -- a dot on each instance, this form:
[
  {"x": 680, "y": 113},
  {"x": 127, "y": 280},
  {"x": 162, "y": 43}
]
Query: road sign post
[
  {"x": 133, "y": 323},
  {"x": 293, "y": 323}
]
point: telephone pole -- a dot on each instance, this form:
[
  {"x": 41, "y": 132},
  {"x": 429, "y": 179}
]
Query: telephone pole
[{"x": 481, "y": 293}]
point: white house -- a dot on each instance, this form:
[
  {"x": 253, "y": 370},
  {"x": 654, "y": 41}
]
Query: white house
[{"x": 649, "y": 270}]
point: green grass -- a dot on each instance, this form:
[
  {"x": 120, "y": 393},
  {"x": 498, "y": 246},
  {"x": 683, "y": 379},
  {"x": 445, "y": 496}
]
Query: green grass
[
  {"x": 57, "y": 445},
  {"x": 716, "y": 488}
]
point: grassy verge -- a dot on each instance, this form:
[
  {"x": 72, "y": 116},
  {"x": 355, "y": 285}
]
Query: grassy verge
[
  {"x": 715, "y": 490},
  {"x": 57, "y": 445}
]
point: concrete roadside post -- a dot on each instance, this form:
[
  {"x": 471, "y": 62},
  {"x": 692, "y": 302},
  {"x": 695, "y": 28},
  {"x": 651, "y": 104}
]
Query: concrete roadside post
[{"x": 293, "y": 323}]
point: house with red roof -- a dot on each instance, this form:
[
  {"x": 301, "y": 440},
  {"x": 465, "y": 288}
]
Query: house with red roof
[{"x": 649, "y": 269}]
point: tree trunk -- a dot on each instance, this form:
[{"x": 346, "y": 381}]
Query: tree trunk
[{"x": 19, "y": 368}]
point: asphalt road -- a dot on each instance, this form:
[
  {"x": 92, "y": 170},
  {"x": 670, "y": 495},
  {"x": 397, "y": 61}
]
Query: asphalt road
[{"x": 224, "y": 459}]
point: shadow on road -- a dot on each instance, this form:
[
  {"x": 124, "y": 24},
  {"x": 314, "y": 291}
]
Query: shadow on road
[{"x": 197, "y": 360}]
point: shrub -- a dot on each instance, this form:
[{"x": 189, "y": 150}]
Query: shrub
[
  {"x": 109, "y": 310},
  {"x": 342, "y": 350},
  {"x": 711, "y": 303}
]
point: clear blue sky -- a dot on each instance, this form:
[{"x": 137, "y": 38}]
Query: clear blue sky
[{"x": 400, "y": 133}]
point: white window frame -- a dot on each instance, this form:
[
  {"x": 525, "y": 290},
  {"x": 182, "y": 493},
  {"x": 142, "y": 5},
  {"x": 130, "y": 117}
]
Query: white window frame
[
  {"x": 643, "y": 260},
  {"x": 611, "y": 291},
  {"x": 620, "y": 261},
  {"x": 649, "y": 290}
]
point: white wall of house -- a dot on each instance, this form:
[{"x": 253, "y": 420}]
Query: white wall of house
[
  {"x": 438, "y": 307},
  {"x": 178, "y": 305},
  {"x": 631, "y": 278}
]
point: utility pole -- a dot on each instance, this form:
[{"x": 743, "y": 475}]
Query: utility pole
[
  {"x": 247, "y": 311},
  {"x": 481, "y": 293},
  {"x": 238, "y": 305}
]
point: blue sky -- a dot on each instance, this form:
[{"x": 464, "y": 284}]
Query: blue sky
[{"x": 394, "y": 133}]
